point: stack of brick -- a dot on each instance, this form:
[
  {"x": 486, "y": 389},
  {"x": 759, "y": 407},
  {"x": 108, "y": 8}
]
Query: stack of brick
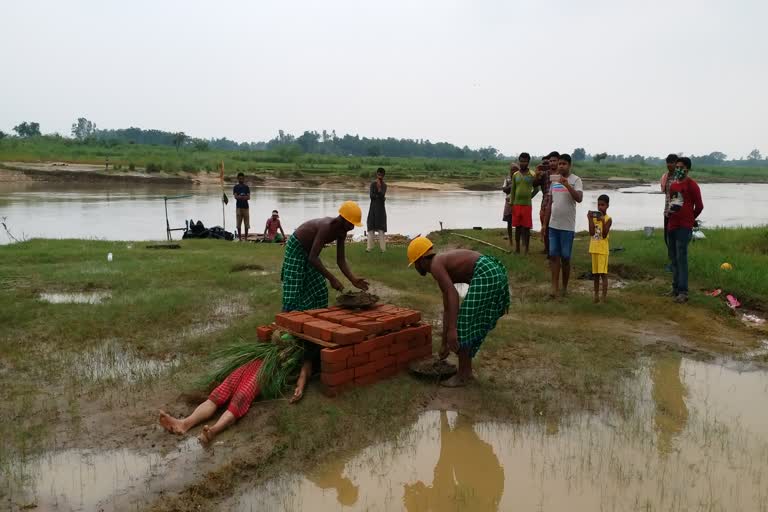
[{"x": 361, "y": 347}]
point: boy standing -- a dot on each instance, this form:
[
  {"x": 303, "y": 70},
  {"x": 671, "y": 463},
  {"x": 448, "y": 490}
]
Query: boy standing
[
  {"x": 685, "y": 205},
  {"x": 547, "y": 167},
  {"x": 566, "y": 191},
  {"x": 303, "y": 273},
  {"x": 242, "y": 194},
  {"x": 599, "y": 228},
  {"x": 506, "y": 187},
  {"x": 666, "y": 181},
  {"x": 464, "y": 327},
  {"x": 522, "y": 191}
]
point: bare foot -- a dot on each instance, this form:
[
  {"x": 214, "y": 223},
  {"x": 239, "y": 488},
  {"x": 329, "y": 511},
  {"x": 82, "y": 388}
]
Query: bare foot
[
  {"x": 171, "y": 424},
  {"x": 456, "y": 382},
  {"x": 206, "y": 436}
]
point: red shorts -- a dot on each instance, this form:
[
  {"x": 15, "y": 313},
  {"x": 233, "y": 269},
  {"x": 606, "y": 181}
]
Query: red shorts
[
  {"x": 522, "y": 216},
  {"x": 240, "y": 389}
]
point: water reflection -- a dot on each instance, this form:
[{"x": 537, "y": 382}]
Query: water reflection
[
  {"x": 669, "y": 397},
  {"x": 331, "y": 476},
  {"x": 467, "y": 471}
]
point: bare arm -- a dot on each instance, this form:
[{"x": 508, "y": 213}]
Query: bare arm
[
  {"x": 591, "y": 223},
  {"x": 314, "y": 258},
  {"x": 450, "y": 305},
  {"x": 301, "y": 384},
  {"x": 577, "y": 195},
  {"x": 341, "y": 261}
]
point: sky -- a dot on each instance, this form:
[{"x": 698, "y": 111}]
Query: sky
[{"x": 624, "y": 77}]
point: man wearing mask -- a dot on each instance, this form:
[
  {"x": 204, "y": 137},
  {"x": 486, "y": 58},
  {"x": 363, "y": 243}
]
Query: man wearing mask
[{"x": 685, "y": 206}]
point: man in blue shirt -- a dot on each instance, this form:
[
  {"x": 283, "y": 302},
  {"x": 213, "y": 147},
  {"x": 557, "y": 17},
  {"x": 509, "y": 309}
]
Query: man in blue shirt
[{"x": 242, "y": 194}]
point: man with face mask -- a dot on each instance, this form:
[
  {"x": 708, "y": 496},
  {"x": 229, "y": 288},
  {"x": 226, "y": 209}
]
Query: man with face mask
[{"x": 685, "y": 206}]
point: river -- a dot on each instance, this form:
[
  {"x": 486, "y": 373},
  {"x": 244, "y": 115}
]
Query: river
[{"x": 119, "y": 211}]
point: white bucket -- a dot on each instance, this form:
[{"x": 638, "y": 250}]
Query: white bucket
[{"x": 648, "y": 230}]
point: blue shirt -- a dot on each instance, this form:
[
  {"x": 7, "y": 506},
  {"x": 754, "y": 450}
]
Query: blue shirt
[{"x": 241, "y": 189}]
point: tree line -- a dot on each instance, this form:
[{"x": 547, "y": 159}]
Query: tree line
[{"x": 329, "y": 143}]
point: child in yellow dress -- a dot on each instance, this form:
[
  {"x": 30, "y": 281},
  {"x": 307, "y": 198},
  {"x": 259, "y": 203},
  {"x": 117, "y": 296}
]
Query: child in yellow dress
[{"x": 599, "y": 228}]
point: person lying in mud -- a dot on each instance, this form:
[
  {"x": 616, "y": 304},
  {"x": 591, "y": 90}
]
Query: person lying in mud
[
  {"x": 464, "y": 327},
  {"x": 272, "y": 366},
  {"x": 303, "y": 273}
]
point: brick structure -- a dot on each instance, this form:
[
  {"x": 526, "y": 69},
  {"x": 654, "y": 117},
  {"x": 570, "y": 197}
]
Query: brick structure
[{"x": 360, "y": 346}]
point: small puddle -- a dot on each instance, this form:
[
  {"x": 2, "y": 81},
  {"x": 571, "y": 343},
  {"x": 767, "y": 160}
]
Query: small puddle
[
  {"x": 112, "y": 361},
  {"x": 88, "y": 480},
  {"x": 697, "y": 439},
  {"x": 76, "y": 297}
]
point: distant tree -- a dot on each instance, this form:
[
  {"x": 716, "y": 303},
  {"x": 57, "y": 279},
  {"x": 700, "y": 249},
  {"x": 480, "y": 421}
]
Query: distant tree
[
  {"x": 599, "y": 157},
  {"x": 374, "y": 151},
  {"x": 83, "y": 129},
  {"x": 579, "y": 154},
  {"x": 308, "y": 141},
  {"x": 200, "y": 145},
  {"x": 179, "y": 139},
  {"x": 3, "y": 135},
  {"x": 718, "y": 156},
  {"x": 753, "y": 155},
  {"x": 26, "y": 129}
]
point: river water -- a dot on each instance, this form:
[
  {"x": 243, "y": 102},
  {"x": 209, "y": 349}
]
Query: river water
[{"x": 136, "y": 211}]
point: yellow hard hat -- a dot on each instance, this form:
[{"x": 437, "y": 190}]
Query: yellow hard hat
[
  {"x": 726, "y": 266},
  {"x": 351, "y": 212},
  {"x": 418, "y": 247}
]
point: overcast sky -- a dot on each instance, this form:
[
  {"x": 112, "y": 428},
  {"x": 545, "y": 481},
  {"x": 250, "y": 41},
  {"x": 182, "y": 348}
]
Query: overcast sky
[{"x": 628, "y": 77}]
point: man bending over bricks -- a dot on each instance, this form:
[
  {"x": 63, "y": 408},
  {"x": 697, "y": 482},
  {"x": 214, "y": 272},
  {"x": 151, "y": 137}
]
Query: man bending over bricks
[
  {"x": 303, "y": 274},
  {"x": 487, "y": 300}
]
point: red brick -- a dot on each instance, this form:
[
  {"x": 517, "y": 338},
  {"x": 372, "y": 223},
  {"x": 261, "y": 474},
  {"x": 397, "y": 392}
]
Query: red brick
[
  {"x": 391, "y": 323},
  {"x": 336, "y": 308},
  {"x": 335, "y": 355},
  {"x": 348, "y": 335},
  {"x": 337, "y": 378},
  {"x": 366, "y": 380},
  {"x": 264, "y": 333},
  {"x": 320, "y": 329},
  {"x": 315, "y": 312},
  {"x": 397, "y": 348},
  {"x": 419, "y": 342},
  {"x": 388, "y": 372},
  {"x": 353, "y": 321},
  {"x": 383, "y": 363},
  {"x": 333, "y": 367},
  {"x": 373, "y": 315},
  {"x": 371, "y": 327},
  {"x": 360, "y": 360},
  {"x": 410, "y": 317},
  {"x": 385, "y": 307},
  {"x": 420, "y": 353},
  {"x": 366, "y": 369},
  {"x": 402, "y": 365},
  {"x": 373, "y": 344},
  {"x": 292, "y": 321},
  {"x": 379, "y": 353},
  {"x": 333, "y": 391},
  {"x": 409, "y": 334}
]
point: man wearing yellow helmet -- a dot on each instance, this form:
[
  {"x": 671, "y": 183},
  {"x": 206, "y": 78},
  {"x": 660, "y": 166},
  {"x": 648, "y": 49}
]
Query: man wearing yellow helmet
[
  {"x": 303, "y": 274},
  {"x": 464, "y": 327}
]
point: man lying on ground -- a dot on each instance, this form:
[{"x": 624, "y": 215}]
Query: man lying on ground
[
  {"x": 487, "y": 300},
  {"x": 303, "y": 274},
  {"x": 240, "y": 389}
]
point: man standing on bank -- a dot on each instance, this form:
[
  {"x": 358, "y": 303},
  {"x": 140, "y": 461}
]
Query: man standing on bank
[
  {"x": 666, "y": 181},
  {"x": 242, "y": 194},
  {"x": 377, "y": 214}
]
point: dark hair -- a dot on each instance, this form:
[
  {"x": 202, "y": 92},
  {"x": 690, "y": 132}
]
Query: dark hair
[
  {"x": 671, "y": 158},
  {"x": 565, "y": 157},
  {"x": 685, "y": 161},
  {"x": 553, "y": 154},
  {"x": 274, "y": 211},
  {"x": 240, "y": 175},
  {"x": 524, "y": 156},
  {"x": 381, "y": 170},
  {"x": 604, "y": 198}
]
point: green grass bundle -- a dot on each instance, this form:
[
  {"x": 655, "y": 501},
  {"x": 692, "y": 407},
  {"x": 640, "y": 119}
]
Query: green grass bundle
[{"x": 281, "y": 363}]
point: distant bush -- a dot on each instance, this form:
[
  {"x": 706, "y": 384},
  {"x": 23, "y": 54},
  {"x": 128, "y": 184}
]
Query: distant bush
[
  {"x": 432, "y": 167},
  {"x": 354, "y": 166},
  {"x": 153, "y": 167},
  {"x": 131, "y": 166},
  {"x": 188, "y": 167}
]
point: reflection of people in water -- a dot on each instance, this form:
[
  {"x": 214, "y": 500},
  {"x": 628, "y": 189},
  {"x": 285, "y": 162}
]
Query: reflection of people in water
[
  {"x": 468, "y": 475},
  {"x": 668, "y": 392},
  {"x": 329, "y": 476}
]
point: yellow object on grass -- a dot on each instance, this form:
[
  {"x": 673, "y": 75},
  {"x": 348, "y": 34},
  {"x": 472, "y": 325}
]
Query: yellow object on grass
[
  {"x": 418, "y": 247},
  {"x": 726, "y": 266},
  {"x": 351, "y": 212}
]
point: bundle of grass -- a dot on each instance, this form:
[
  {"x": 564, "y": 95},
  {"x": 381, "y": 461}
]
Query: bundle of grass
[{"x": 281, "y": 362}]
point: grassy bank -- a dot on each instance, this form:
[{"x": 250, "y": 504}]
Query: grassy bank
[
  {"x": 472, "y": 174},
  {"x": 544, "y": 360}
]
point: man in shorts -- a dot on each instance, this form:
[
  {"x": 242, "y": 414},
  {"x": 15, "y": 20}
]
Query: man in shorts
[
  {"x": 566, "y": 191},
  {"x": 242, "y": 194},
  {"x": 521, "y": 194}
]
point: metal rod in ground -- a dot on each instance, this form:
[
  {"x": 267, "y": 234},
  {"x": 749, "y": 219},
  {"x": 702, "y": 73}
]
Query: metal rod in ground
[{"x": 482, "y": 242}]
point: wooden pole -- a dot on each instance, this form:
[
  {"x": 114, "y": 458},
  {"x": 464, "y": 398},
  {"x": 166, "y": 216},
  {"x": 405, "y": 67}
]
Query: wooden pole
[
  {"x": 223, "y": 206},
  {"x": 482, "y": 242},
  {"x": 167, "y": 225}
]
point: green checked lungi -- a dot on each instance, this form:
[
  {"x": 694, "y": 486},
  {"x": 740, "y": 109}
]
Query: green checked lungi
[
  {"x": 304, "y": 286},
  {"x": 487, "y": 300}
]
